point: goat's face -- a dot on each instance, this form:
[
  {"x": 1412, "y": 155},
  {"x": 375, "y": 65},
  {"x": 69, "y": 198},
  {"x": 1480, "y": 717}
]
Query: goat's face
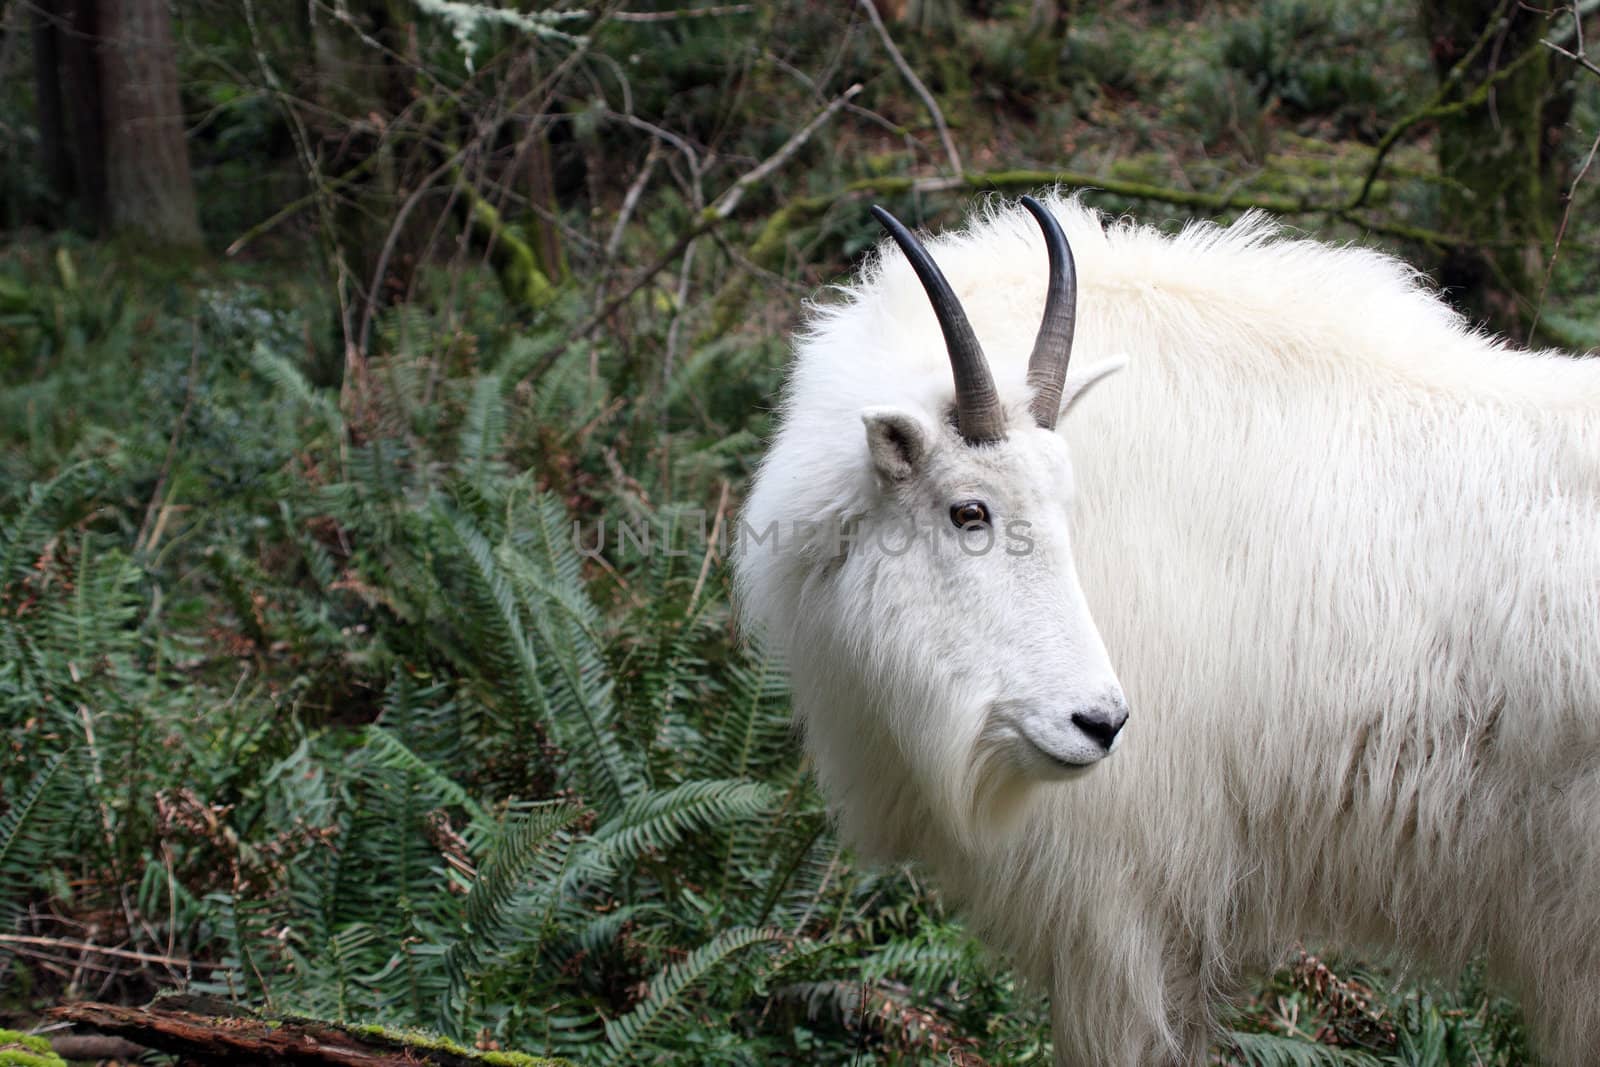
[
  {"x": 962, "y": 609},
  {"x": 974, "y": 615}
]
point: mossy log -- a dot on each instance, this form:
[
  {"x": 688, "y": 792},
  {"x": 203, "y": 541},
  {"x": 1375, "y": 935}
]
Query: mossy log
[{"x": 203, "y": 1039}]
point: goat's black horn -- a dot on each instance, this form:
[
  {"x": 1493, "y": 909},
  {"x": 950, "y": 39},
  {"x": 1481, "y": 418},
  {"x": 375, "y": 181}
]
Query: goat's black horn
[
  {"x": 1052, "y": 348},
  {"x": 978, "y": 414}
]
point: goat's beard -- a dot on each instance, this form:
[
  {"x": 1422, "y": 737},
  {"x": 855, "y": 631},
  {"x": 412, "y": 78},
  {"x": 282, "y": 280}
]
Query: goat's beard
[{"x": 999, "y": 789}]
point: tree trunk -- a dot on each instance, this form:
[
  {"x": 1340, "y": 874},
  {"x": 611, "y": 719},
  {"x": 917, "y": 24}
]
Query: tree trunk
[
  {"x": 537, "y": 177},
  {"x": 149, "y": 190},
  {"x": 55, "y": 161},
  {"x": 78, "y": 77},
  {"x": 355, "y": 82},
  {"x": 1505, "y": 181}
]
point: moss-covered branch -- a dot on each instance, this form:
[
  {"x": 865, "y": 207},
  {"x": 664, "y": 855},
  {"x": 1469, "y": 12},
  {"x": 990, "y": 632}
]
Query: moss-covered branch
[
  {"x": 515, "y": 261},
  {"x": 768, "y": 245}
]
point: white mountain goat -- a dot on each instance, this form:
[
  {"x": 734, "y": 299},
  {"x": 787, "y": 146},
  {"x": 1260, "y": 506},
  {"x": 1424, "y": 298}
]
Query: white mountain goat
[{"x": 1340, "y": 552}]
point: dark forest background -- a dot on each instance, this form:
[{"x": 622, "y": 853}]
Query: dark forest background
[{"x": 321, "y": 326}]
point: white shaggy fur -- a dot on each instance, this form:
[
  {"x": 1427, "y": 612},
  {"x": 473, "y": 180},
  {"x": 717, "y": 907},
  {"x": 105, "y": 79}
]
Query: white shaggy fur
[{"x": 1344, "y": 556}]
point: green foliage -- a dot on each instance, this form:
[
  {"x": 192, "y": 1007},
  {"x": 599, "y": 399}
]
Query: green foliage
[
  {"x": 1284, "y": 51},
  {"x": 31, "y": 827},
  {"x": 376, "y": 741}
]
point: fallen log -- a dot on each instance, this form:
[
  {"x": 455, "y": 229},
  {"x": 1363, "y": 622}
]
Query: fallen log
[{"x": 204, "y": 1039}]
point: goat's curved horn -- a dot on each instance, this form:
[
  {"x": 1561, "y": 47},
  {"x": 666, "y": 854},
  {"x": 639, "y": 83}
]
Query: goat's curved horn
[
  {"x": 978, "y": 414},
  {"x": 1052, "y": 348}
]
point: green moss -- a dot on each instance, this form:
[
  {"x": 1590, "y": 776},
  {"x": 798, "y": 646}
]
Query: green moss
[
  {"x": 514, "y": 260},
  {"x": 420, "y": 1039},
  {"x": 24, "y": 1050}
]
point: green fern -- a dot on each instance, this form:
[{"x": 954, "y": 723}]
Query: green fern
[
  {"x": 32, "y": 826},
  {"x": 503, "y": 911},
  {"x": 658, "y": 821},
  {"x": 628, "y": 1035},
  {"x": 483, "y": 430},
  {"x": 1274, "y": 1050}
]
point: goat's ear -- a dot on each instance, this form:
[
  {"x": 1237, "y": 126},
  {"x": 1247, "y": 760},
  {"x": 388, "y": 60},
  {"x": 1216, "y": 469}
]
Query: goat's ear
[
  {"x": 1078, "y": 382},
  {"x": 897, "y": 442}
]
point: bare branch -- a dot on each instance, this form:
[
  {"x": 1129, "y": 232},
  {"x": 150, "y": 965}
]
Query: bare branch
[
  {"x": 916, "y": 86},
  {"x": 1431, "y": 109},
  {"x": 684, "y": 13},
  {"x": 23, "y": 942},
  {"x": 729, "y": 200},
  {"x": 631, "y": 200},
  {"x": 1581, "y": 60},
  {"x": 708, "y": 219}
]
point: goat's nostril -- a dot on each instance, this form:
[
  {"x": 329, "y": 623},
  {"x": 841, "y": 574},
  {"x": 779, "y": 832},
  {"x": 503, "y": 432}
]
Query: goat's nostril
[{"x": 1102, "y": 725}]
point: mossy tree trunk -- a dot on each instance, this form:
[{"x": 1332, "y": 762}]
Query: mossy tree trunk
[{"x": 1500, "y": 155}]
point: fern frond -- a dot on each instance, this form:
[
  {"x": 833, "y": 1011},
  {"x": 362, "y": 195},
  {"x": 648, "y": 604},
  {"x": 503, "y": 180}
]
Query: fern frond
[
  {"x": 495, "y": 919},
  {"x": 660, "y": 820},
  {"x": 1275, "y": 1050},
  {"x": 390, "y": 752},
  {"x": 44, "y": 511},
  {"x": 484, "y": 427},
  {"x": 928, "y": 960},
  {"x": 287, "y": 380},
  {"x": 32, "y": 828},
  {"x": 488, "y": 608},
  {"x": 626, "y": 1034}
]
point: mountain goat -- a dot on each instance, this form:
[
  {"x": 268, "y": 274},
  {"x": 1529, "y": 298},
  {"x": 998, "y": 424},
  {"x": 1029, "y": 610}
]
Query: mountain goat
[{"x": 1333, "y": 555}]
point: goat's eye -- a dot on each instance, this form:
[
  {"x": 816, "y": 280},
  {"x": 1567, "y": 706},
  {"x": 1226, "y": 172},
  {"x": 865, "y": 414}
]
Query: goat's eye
[{"x": 969, "y": 513}]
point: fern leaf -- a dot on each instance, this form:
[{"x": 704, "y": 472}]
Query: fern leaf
[
  {"x": 484, "y": 427},
  {"x": 492, "y": 919},
  {"x": 389, "y": 751},
  {"x": 30, "y": 834},
  {"x": 1275, "y": 1050},
  {"x": 667, "y": 989},
  {"x": 660, "y": 820}
]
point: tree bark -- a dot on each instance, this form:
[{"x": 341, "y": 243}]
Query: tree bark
[
  {"x": 76, "y": 25},
  {"x": 1500, "y": 156},
  {"x": 54, "y": 158},
  {"x": 149, "y": 190}
]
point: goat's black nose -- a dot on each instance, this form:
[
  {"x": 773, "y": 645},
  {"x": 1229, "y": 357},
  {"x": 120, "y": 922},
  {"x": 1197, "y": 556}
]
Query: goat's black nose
[{"x": 1102, "y": 724}]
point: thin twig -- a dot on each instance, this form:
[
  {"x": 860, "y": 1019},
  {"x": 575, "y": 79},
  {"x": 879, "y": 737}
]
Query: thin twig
[
  {"x": 69, "y": 945},
  {"x": 294, "y": 207},
  {"x": 729, "y": 200},
  {"x": 916, "y": 86},
  {"x": 684, "y": 13},
  {"x": 707, "y": 220},
  {"x": 711, "y": 547},
  {"x": 139, "y": 543},
  {"x": 631, "y": 200},
  {"x": 1581, "y": 60},
  {"x": 1572, "y": 190}
]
